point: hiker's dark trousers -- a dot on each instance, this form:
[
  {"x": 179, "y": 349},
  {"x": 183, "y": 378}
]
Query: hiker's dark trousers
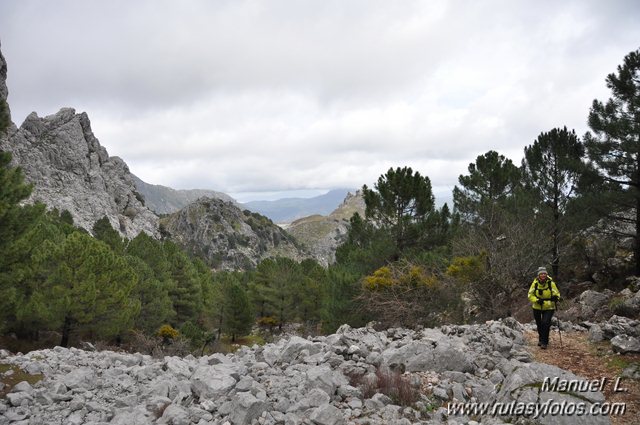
[{"x": 543, "y": 321}]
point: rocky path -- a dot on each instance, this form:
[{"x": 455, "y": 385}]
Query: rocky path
[{"x": 592, "y": 361}]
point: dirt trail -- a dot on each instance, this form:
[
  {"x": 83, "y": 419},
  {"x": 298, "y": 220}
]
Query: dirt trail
[{"x": 592, "y": 361}]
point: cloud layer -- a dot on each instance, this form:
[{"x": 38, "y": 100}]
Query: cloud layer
[{"x": 252, "y": 96}]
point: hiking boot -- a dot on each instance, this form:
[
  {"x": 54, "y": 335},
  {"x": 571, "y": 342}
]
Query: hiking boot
[
  {"x": 543, "y": 346},
  {"x": 539, "y": 344}
]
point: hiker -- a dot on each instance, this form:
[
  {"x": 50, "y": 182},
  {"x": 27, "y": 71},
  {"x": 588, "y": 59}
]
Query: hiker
[{"x": 544, "y": 295}]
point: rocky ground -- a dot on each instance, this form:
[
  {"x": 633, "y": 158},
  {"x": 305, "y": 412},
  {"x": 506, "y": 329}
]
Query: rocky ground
[
  {"x": 356, "y": 376},
  {"x": 572, "y": 350}
]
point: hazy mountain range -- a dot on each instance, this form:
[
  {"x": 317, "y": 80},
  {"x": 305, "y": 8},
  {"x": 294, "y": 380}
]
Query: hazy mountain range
[{"x": 289, "y": 209}]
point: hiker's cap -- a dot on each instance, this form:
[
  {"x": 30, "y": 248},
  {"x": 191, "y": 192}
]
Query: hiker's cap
[{"x": 542, "y": 270}]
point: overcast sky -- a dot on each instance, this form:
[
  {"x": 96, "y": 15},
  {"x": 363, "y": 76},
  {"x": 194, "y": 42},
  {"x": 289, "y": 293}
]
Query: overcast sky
[{"x": 266, "y": 98}]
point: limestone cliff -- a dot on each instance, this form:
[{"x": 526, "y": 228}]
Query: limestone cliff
[
  {"x": 228, "y": 237},
  {"x": 71, "y": 171},
  {"x": 322, "y": 235}
]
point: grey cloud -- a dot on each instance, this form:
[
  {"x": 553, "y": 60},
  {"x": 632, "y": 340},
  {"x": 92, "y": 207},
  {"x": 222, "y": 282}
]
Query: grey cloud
[{"x": 280, "y": 95}]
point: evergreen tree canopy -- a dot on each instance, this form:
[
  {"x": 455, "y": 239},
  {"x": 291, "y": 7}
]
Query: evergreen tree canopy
[
  {"x": 492, "y": 179},
  {"x": 87, "y": 286},
  {"x": 401, "y": 203},
  {"x": 238, "y": 316},
  {"x": 552, "y": 166},
  {"x": 186, "y": 290},
  {"x": 614, "y": 145},
  {"x": 102, "y": 230}
]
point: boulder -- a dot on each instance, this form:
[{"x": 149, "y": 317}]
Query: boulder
[
  {"x": 533, "y": 383},
  {"x": 625, "y": 344},
  {"x": 245, "y": 408},
  {"x": 324, "y": 378},
  {"x": 327, "y": 415},
  {"x": 295, "y": 345},
  {"x": 618, "y": 325},
  {"x": 83, "y": 377},
  {"x": 213, "y": 381},
  {"x": 596, "y": 334},
  {"x": 592, "y": 303},
  {"x": 175, "y": 415}
]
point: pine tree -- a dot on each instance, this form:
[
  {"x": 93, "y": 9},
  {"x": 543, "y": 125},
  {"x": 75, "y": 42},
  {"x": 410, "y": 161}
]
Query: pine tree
[
  {"x": 273, "y": 288},
  {"x": 102, "y": 230},
  {"x": 339, "y": 304},
  {"x": 552, "y": 166},
  {"x": 87, "y": 286},
  {"x": 15, "y": 221},
  {"x": 238, "y": 317},
  {"x": 401, "y": 203},
  {"x": 614, "y": 145},
  {"x": 491, "y": 181},
  {"x": 29, "y": 314},
  {"x": 156, "y": 307},
  {"x": 186, "y": 290}
]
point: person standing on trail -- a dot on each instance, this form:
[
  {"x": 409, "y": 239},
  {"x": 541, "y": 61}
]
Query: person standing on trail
[{"x": 544, "y": 295}]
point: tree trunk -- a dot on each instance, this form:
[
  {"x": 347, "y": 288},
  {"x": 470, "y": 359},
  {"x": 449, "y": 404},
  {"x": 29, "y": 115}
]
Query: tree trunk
[
  {"x": 66, "y": 330},
  {"x": 555, "y": 264},
  {"x": 636, "y": 190},
  {"x": 556, "y": 238},
  {"x": 636, "y": 246}
]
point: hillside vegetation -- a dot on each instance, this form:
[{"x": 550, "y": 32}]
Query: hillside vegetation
[{"x": 401, "y": 261}]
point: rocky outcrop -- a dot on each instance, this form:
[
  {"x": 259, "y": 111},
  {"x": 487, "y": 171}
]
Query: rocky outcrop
[
  {"x": 71, "y": 171},
  {"x": 4, "y": 92},
  {"x": 165, "y": 200},
  {"x": 335, "y": 379},
  {"x": 594, "y": 306},
  {"x": 624, "y": 333},
  {"x": 322, "y": 235},
  {"x": 6, "y": 125},
  {"x": 227, "y": 237}
]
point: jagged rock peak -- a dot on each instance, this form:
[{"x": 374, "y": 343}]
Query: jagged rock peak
[
  {"x": 228, "y": 237},
  {"x": 71, "y": 171},
  {"x": 4, "y": 92}
]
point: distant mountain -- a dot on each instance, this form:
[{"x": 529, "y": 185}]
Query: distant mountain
[
  {"x": 288, "y": 209},
  {"x": 321, "y": 235},
  {"x": 226, "y": 237},
  {"x": 165, "y": 200}
]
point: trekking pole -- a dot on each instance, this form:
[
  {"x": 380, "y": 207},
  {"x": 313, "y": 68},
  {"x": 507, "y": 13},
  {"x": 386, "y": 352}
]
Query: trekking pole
[{"x": 555, "y": 303}]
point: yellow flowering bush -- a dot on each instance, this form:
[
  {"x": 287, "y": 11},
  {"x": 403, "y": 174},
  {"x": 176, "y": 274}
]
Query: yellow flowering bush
[
  {"x": 167, "y": 332},
  {"x": 402, "y": 275}
]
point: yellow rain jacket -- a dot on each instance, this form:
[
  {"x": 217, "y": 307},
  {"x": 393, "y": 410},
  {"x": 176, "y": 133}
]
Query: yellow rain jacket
[{"x": 544, "y": 291}]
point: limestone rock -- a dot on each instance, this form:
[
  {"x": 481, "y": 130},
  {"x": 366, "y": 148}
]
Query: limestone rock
[
  {"x": 246, "y": 407},
  {"x": 227, "y": 237},
  {"x": 71, "y": 171},
  {"x": 592, "y": 303},
  {"x": 322, "y": 235},
  {"x": 327, "y": 415},
  {"x": 595, "y": 333},
  {"x": 309, "y": 385},
  {"x": 625, "y": 344}
]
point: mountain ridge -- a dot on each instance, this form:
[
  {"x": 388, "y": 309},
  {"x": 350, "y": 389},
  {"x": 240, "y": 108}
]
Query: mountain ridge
[
  {"x": 166, "y": 200},
  {"x": 286, "y": 210}
]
